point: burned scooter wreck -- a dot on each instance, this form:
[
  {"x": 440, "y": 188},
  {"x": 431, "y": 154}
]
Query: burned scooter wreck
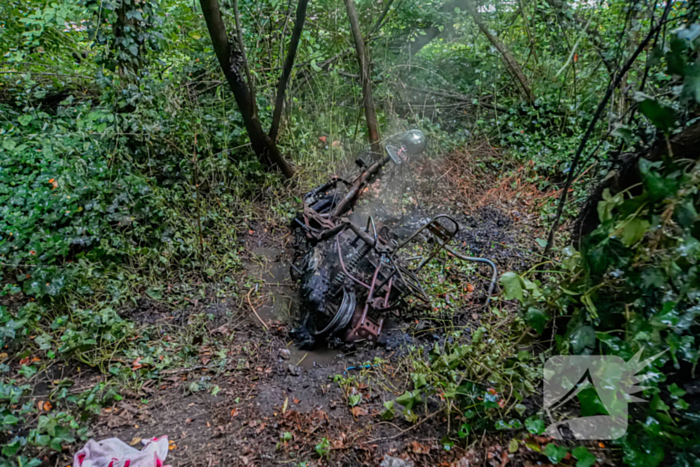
[{"x": 352, "y": 277}]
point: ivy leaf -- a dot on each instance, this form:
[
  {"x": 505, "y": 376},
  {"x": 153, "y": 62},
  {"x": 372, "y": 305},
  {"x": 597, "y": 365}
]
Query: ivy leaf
[
  {"x": 583, "y": 456},
  {"x": 634, "y": 231},
  {"x": 12, "y": 448},
  {"x": 675, "y": 61},
  {"x": 25, "y": 119},
  {"x": 10, "y": 420},
  {"x": 641, "y": 453},
  {"x": 464, "y": 430},
  {"x": 44, "y": 341},
  {"x": 676, "y": 391},
  {"x": 537, "y": 319},
  {"x": 582, "y": 339},
  {"x": 27, "y": 371},
  {"x": 354, "y": 399},
  {"x": 658, "y": 186},
  {"x": 555, "y": 453},
  {"x": 606, "y": 206},
  {"x": 409, "y": 398},
  {"x": 658, "y": 405},
  {"x": 410, "y": 416},
  {"x": 663, "y": 118},
  {"x": 418, "y": 380},
  {"x": 156, "y": 293},
  {"x": 512, "y": 286},
  {"x": 514, "y": 424},
  {"x": 535, "y": 426},
  {"x": 389, "y": 411},
  {"x": 134, "y": 14}
]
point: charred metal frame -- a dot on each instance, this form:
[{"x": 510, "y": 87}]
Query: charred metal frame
[{"x": 358, "y": 313}]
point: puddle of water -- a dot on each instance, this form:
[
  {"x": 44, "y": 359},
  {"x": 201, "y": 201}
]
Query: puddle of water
[{"x": 281, "y": 303}]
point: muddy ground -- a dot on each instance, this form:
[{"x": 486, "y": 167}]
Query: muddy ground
[{"x": 276, "y": 403}]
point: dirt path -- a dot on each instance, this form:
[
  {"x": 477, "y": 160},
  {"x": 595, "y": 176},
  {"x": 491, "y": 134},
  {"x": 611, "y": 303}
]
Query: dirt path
[{"x": 273, "y": 404}]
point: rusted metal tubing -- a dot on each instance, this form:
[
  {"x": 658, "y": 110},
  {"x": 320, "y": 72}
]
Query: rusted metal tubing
[
  {"x": 494, "y": 276},
  {"x": 354, "y": 191}
]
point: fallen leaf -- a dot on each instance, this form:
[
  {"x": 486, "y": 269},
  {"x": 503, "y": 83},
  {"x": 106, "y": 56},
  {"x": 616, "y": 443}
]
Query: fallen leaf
[
  {"x": 504, "y": 459},
  {"x": 513, "y": 445},
  {"x": 358, "y": 411},
  {"x": 284, "y": 406},
  {"x": 136, "y": 364},
  {"x": 24, "y": 361},
  {"x": 336, "y": 144},
  {"x": 323, "y": 139},
  {"x": 260, "y": 429},
  {"x": 171, "y": 445},
  {"x": 470, "y": 288},
  {"x": 134, "y": 441},
  {"x": 418, "y": 448},
  {"x": 234, "y": 412},
  {"x": 47, "y": 406},
  {"x": 3, "y": 355},
  {"x": 296, "y": 401}
]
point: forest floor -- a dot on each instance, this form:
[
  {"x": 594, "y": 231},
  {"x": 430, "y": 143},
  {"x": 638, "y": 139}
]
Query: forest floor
[{"x": 273, "y": 404}]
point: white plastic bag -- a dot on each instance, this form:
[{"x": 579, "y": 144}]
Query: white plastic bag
[{"x": 114, "y": 452}]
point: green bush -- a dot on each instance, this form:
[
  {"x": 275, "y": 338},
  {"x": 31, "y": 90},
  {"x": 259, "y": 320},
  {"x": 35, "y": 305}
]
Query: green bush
[
  {"x": 634, "y": 287},
  {"x": 63, "y": 197}
]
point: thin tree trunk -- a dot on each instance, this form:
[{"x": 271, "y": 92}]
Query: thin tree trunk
[
  {"x": 380, "y": 20},
  {"x": 241, "y": 49},
  {"x": 530, "y": 37},
  {"x": 370, "y": 113},
  {"x": 231, "y": 62},
  {"x": 507, "y": 57},
  {"x": 288, "y": 64}
]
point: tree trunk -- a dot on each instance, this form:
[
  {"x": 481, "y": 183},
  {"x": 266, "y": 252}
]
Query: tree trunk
[
  {"x": 507, "y": 57},
  {"x": 365, "y": 77},
  {"x": 232, "y": 64},
  {"x": 627, "y": 177},
  {"x": 287, "y": 69}
]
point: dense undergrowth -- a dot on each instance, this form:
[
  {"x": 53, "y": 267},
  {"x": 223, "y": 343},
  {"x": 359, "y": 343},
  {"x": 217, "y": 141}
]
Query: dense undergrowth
[{"x": 126, "y": 175}]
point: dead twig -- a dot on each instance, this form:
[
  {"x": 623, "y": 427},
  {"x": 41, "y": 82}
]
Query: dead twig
[
  {"x": 255, "y": 311},
  {"x": 402, "y": 432}
]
